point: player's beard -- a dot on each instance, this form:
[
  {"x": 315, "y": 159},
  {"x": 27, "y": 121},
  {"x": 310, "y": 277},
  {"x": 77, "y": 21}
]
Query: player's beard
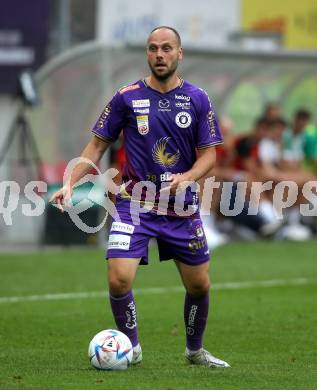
[{"x": 165, "y": 76}]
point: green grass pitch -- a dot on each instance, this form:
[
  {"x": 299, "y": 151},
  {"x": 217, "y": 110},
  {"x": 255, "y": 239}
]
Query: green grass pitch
[{"x": 266, "y": 331}]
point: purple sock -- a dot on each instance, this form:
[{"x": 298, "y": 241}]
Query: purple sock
[
  {"x": 195, "y": 317},
  {"x": 124, "y": 312}
]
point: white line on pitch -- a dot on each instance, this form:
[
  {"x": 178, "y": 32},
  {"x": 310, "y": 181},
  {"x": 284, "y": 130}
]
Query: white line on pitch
[{"x": 160, "y": 290}]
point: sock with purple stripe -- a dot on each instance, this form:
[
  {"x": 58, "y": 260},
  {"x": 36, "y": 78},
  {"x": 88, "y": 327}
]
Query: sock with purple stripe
[
  {"x": 124, "y": 312},
  {"x": 195, "y": 317}
]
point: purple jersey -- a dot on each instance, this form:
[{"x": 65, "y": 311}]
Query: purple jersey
[{"x": 161, "y": 131}]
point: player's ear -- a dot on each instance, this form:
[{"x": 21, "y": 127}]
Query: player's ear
[{"x": 180, "y": 53}]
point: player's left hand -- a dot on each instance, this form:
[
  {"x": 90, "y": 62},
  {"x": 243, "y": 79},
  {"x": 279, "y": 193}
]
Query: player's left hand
[{"x": 179, "y": 182}]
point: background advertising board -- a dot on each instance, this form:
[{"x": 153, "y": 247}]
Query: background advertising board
[
  {"x": 295, "y": 20},
  {"x": 202, "y": 24},
  {"x": 23, "y": 39}
]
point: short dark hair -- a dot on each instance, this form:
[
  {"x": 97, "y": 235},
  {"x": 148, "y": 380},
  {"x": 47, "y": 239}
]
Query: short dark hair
[
  {"x": 271, "y": 105},
  {"x": 262, "y": 121},
  {"x": 179, "y": 41},
  {"x": 271, "y": 123},
  {"x": 302, "y": 114},
  {"x": 280, "y": 122}
]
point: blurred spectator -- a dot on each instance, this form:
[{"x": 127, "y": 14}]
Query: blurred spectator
[
  {"x": 272, "y": 111},
  {"x": 278, "y": 165},
  {"x": 300, "y": 143},
  {"x": 237, "y": 161},
  {"x": 269, "y": 148},
  {"x": 310, "y": 148},
  {"x": 274, "y": 152}
]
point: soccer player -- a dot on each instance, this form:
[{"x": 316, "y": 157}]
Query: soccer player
[{"x": 170, "y": 131}]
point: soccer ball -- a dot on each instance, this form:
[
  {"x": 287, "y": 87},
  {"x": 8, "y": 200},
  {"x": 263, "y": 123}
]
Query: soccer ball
[{"x": 110, "y": 350}]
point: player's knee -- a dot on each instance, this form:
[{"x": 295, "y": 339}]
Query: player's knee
[
  {"x": 119, "y": 284},
  {"x": 199, "y": 287}
]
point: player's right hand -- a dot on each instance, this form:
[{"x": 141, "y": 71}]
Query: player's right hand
[{"x": 62, "y": 197}]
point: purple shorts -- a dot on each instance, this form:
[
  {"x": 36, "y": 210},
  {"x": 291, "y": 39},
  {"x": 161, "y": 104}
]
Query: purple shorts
[{"x": 178, "y": 238}]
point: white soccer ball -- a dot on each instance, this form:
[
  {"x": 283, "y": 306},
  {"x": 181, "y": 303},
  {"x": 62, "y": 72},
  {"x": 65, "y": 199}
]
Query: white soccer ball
[{"x": 110, "y": 350}]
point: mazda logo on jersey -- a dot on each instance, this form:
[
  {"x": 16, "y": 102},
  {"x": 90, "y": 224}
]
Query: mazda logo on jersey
[
  {"x": 183, "y": 119},
  {"x": 164, "y": 103}
]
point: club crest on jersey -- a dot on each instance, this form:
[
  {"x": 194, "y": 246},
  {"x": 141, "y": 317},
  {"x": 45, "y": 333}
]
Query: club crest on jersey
[
  {"x": 143, "y": 124},
  {"x": 183, "y": 119},
  {"x": 161, "y": 156}
]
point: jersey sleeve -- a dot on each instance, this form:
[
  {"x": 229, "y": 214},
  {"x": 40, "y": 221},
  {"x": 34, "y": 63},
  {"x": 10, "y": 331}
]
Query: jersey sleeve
[
  {"x": 112, "y": 119},
  {"x": 208, "y": 128}
]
